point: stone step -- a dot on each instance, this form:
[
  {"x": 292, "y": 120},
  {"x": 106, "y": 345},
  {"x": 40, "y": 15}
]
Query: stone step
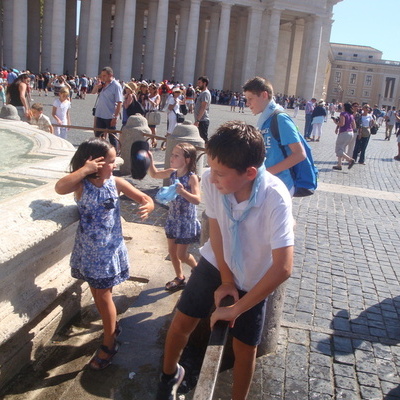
[{"x": 147, "y": 310}]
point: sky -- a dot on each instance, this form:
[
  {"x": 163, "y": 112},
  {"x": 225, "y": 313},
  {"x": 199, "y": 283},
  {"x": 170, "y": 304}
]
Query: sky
[{"x": 371, "y": 23}]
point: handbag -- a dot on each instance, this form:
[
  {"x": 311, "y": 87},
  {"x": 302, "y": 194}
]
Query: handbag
[
  {"x": 153, "y": 117},
  {"x": 374, "y": 129},
  {"x": 179, "y": 117}
]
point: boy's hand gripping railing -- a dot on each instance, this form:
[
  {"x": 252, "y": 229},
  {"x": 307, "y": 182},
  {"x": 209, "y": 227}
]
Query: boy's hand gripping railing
[{"x": 212, "y": 359}]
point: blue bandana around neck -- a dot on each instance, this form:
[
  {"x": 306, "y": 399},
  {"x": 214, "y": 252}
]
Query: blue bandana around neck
[
  {"x": 268, "y": 111},
  {"x": 237, "y": 257}
]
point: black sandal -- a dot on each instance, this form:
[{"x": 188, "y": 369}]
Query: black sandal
[
  {"x": 97, "y": 363},
  {"x": 175, "y": 284}
]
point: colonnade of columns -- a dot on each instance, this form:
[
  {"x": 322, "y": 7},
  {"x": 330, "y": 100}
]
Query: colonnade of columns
[{"x": 229, "y": 41}]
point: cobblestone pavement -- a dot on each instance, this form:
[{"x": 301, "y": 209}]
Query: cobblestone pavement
[{"x": 341, "y": 330}]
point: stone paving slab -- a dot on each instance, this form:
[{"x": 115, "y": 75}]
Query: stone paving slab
[{"x": 340, "y": 331}]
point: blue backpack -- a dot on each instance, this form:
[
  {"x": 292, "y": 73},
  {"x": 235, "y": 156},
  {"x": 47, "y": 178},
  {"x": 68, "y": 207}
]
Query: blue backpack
[{"x": 305, "y": 173}]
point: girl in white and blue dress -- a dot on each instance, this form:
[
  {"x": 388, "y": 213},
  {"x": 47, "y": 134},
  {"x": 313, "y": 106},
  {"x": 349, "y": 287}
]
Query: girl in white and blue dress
[
  {"x": 99, "y": 255},
  {"x": 182, "y": 226}
]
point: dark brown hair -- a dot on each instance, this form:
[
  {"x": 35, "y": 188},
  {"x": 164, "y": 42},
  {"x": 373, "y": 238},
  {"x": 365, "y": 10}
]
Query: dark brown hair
[
  {"x": 189, "y": 151},
  {"x": 95, "y": 148},
  {"x": 258, "y": 85},
  {"x": 237, "y": 145}
]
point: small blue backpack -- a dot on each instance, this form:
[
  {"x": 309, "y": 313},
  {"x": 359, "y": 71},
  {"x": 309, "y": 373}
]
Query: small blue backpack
[{"x": 305, "y": 173}]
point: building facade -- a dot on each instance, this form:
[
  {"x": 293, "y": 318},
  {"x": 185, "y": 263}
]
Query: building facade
[
  {"x": 230, "y": 41},
  {"x": 358, "y": 73}
]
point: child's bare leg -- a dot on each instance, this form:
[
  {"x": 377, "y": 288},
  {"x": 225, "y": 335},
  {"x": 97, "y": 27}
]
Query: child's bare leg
[
  {"x": 184, "y": 256},
  {"x": 176, "y": 262},
  {"x": 245, "y": 361},
  {"x": 177, "y": 337},
  {"x": 108, "y": 312}
]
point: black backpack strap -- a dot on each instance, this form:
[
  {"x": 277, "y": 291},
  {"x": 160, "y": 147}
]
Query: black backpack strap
[{"x": 274, "y": 128}]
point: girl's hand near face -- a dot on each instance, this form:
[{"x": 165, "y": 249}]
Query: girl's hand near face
[
  {"x": 92, "y": 166},
  {"x": 73, "y": 181}
]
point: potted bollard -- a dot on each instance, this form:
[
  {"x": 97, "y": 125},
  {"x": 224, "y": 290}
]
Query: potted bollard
[{"x": 185, "y": 132}]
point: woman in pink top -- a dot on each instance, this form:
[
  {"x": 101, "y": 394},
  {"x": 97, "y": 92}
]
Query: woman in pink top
[{"x": 346, "y": 126}]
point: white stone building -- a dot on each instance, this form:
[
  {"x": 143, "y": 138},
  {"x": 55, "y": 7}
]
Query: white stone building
[
  {"x": 230, "y": 41},
  {"x": 358, "y": 73}
]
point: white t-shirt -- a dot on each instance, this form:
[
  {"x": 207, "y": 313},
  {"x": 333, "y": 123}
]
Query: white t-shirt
[
  {"x": 62, "y": 110},
  {"x": 366, "y": 120},
  {"x": 175, "y": 102},
  {"x": 268, "y": 226}
]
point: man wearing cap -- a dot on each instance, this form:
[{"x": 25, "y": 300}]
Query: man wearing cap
[
  {"x": 201, "y": 108},
  {"x": 109, "y": 102},
  {"x": 309, "y": 110}
]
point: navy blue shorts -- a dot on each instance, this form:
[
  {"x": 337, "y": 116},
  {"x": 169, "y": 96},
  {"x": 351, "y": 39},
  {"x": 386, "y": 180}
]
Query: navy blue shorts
[{"x": 197, "y": 301}]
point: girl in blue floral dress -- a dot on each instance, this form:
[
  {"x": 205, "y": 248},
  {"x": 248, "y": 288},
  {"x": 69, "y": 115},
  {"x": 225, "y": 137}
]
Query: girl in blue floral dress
[
  {"x": 99, "y": 255},
  {"x": 182, "y": 226}
]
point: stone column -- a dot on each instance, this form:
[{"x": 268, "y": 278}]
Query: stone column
[
  {"x": 83, "y": 36},
  {"x": 212, "y": 42},
  {"x": 105, "y": 36},
  {"x": 128, "y": 40},
  {"x": 170, "y": 44},
  {"x": 282, "y": 57},
  {"x": 293, "y": 58},
  {"x": 304, "y": 56},
  {"x": 7, "y": 31},
  {"x": 138, "y": 42},
  {"x": 222, "y": 47},
  {"x": 237, "y": 73},
  {"x": 58, "y": 37},
  {"x": 150, "y": 39},
  {"x": 191, "y": 42},
  {"x": 19, "y": 34},
  {"x": 117, "y": 36},
  {"x": 200, "y": 66},
  {"x": 312, "y": 58},
  {"x": 230, "y": 65},
  {"x": 272, "y": 44},
  {"x": 94, "y": 34},
  {"x": 159, "y": 44},
  {"x": 262, "y": 45},
  {"x": 70, "y": 35},
  {"x": 320, "y": 82},
  {"x": 33, "y": 61},
  {"x": 252, "y": 42},
  {"x": 181, "y": 45}
]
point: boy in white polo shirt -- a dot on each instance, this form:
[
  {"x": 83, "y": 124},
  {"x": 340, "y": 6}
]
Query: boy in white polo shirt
[{"x": 249, "y": 253}]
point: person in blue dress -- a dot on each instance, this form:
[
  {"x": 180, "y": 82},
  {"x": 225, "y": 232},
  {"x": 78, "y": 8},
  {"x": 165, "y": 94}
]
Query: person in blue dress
[
  {"x": 99, "y": 255},
  {"x": 182, "y": 226}
]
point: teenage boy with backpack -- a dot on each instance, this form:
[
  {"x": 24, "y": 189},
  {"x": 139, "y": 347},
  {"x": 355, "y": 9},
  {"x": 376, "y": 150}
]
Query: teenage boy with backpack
[{"x": 259, "y": 94}]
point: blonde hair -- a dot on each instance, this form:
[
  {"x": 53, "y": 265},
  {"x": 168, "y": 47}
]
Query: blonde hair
[{"x": 64, "y": 90}]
